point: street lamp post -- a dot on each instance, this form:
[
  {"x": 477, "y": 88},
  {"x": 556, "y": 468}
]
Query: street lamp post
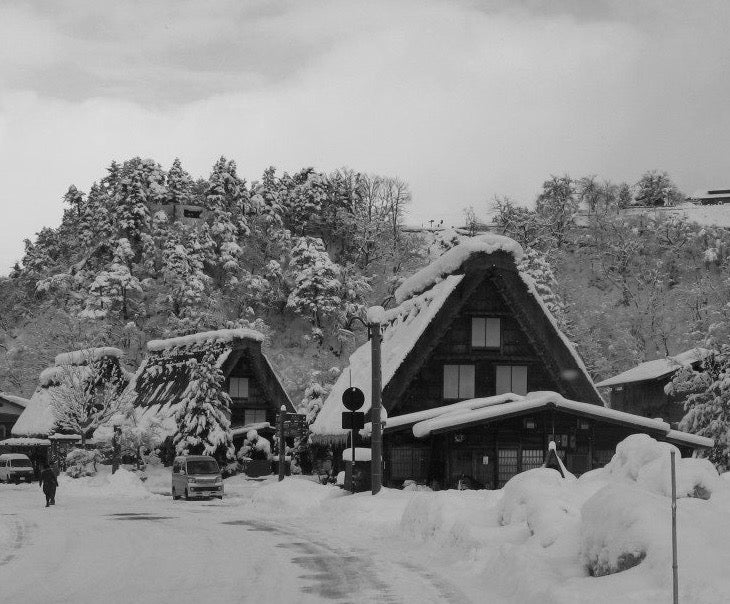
[{"x": 375, "y": 317}]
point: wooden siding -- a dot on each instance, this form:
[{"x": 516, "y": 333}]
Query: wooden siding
[{"x": 647, "y": 399}]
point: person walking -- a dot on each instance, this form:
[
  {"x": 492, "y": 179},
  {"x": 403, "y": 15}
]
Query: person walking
[{"x": 48, "y": 483}]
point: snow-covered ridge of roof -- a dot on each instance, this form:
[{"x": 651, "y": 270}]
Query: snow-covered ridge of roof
[
  {"x": 452, "y": 260},
  {"x": 537, "y": 400},
  {"x": 87, "y": 355},
  {"x": 651, "y": 370},
  {"x": 25, "y": 441},
  {"x": 205, "y": 337},
  {"x": 404, "y": 326},
  {"x": 18, "y": 400}
]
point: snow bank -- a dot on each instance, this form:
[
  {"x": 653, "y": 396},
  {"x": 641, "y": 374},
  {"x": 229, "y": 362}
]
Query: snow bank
[
  {"x": 361, "y": 454},
  {"x": 122, "y": 483},
  {"x": 294, "y": 496},
  {"x": 641, "y": 459},
  {"x": 452, "y": 261},
  {"x": 220, "y": 335}
]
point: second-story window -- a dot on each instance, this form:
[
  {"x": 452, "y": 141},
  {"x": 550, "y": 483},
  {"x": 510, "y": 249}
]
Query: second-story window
[
  {"x": 458, "y": 381},
  {"x": 486, "y": 332},
  {"x": 238, "y": 388}
]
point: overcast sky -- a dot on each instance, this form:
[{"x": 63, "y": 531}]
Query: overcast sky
[{"x": 464, "y": 100}]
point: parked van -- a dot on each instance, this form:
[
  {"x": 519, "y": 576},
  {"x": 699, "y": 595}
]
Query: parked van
[
  {"x": 196, "y": 476},
  {"x": 15, "y": 467}
]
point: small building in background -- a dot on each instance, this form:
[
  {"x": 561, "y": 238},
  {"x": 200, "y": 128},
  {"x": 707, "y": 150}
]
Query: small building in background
[
  {"x": 711, "y": 197},
  {"x": 256, "y": 392},
  {"x": 640, "y": 390},
  {"x": 11, "y": 406}
]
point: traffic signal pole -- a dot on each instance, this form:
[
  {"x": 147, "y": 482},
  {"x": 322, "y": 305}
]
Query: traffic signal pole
[{"x": 376, "y": 440}]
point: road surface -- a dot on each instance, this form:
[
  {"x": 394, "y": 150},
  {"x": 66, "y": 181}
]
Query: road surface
[{"x": 158, "y": 550}]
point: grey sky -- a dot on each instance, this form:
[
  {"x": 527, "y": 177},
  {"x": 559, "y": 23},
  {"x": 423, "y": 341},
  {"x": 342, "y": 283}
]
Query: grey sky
[{"x": 464, "y": 100}]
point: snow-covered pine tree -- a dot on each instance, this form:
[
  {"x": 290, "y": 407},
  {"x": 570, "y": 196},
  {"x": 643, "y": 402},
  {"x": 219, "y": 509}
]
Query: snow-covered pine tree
[
  {"x": 179, "y": 184},
  {"x": 226, "y": 199},
  {"x": 203, "y": 414},
  {"x": 707, "y": 403},
  {"x": 317, "y": 291}
]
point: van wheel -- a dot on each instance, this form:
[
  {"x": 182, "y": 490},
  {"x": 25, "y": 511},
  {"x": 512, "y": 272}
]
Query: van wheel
[
  {"x": 174, "y": 495},
  {"x": 187, "y": 495}
]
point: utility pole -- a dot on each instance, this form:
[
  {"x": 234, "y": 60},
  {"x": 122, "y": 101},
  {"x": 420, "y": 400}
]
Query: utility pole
[
  {"x": 675, "y": 572},
  {"x": 376, "y": 440},
  {"x": 282, "y": 443}
]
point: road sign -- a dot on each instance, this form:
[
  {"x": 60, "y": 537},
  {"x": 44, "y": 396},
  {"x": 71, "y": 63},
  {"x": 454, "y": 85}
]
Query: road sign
[
  {"x": 353, "y": 398},
  {"x": 295, "y": 424},
  {"x": 353, "y": 420}
]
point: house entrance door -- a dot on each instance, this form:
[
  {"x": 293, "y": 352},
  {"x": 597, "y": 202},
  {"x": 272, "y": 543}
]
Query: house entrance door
[{"x": 474, "y": 462}]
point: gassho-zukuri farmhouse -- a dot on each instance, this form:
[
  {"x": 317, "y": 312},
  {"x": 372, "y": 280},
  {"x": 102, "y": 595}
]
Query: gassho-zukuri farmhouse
[{"x": 478, "y": 380}]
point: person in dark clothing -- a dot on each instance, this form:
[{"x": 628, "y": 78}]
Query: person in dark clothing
[{"x": 48, "y": 483}]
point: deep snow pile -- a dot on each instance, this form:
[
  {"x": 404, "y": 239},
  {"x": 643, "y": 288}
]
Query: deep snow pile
[
  {"x": 603, "y": 537},
  {"x": 293, "y": 496},
  {"x": 122, "y": 483}
]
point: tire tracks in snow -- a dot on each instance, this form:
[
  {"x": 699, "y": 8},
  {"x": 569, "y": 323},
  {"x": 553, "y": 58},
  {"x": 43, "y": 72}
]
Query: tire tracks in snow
[
  {"x": 347, "y": 574},
  {"x": 19, "y": 531}
]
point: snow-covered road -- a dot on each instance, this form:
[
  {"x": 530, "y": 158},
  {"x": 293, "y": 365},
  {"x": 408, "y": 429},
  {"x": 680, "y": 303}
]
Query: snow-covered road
[{"x": 156, "y": 550}]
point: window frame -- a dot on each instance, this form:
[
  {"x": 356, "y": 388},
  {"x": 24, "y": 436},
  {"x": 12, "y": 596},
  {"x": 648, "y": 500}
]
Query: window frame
[
  {"x": 512, "y": 379},
  {"x": 248, "y": 387},
  {"x": 486, "y": 320},
  {"x": 461, "y": 389},
  {"x": 248, "y": 410}
]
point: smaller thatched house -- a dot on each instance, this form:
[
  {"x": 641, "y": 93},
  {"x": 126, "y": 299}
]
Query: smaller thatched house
[
  {"x": 255, "y": 390},
  {"x": 35, "y": 432}
]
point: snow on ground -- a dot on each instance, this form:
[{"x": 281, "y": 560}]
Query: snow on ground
[{"x": 604, "y": 537}]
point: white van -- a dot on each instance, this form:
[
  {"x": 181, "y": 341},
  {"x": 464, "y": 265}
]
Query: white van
[
  {"x": 196, "y": 476},
  {"x": 15, "y": 467}
]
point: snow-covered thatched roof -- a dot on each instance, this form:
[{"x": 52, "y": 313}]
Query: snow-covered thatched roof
[
  {"x": 404, "y": 325},
  {"x": 37, "y": 419},
  {"x": 478, "y": 411},
  {"x": 652, "y": 370},
  {"x": 164, "y": 376},
  {"x": 420, "y": 298}
]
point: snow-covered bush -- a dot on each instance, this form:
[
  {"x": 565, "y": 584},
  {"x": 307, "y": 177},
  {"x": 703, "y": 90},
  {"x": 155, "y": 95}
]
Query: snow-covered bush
[
  {"x": 82, "y": 462},
  {"x": 255, "y": 447}
]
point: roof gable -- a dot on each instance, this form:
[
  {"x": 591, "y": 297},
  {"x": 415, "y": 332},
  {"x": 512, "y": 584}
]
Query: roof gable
[
  {"x": 164, "y": 376},
  {"x": 409, "y": 340}
]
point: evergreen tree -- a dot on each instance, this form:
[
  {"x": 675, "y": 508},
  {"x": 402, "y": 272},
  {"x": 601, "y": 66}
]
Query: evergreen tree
[
  {"x": 203, "y": 414},
  {"x": 556, "y": 206},
  {"x": 179, "y": 184},
  {"x": 707, "y": 404},
  {"x": 656, "y": 188},
  {"x": 316, "y": 294}
]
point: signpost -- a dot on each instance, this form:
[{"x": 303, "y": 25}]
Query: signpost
[
  {"x": 675, "y": 574},
  {"x": 376, "y": 439},
  {"x": 352, "y": 419},
  {"x": 282, "y": 443}
]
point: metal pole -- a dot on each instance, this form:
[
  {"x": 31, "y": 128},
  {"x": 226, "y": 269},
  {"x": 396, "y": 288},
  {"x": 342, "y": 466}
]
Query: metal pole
[
  {"x": 352, "y": 467},
  {"x": 282, "y": 443},
  {"x": 675, "y": 576},
  {"x": 377, "y": 435}
]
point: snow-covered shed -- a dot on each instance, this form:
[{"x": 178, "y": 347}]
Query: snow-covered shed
[
  {"x": 711, "y": 196},
  {"x": 249, "y": 378},
  {"x": 468, "y": 325},
  {"x": 11, "y": 406},
  {"x": 640, "y": 389}
]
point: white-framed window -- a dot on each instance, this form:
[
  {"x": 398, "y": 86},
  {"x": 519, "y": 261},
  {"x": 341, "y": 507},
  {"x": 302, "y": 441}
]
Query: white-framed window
[
  {"x": 458, "y": 381},
  {"x": 511, "y": 378},
  {"x": 254, "y": 416},
  {"x": 238, "y": 387},
  {"x": 486, "y": 332}
]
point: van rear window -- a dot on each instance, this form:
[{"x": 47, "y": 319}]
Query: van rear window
[
  {"x": 202, "y": 466},
  {"x": 20, "y": 463}
]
